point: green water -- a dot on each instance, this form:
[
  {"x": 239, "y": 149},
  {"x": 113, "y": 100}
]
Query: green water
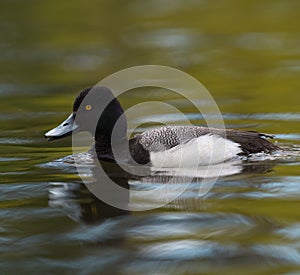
[{"x": 247, "y": 55}]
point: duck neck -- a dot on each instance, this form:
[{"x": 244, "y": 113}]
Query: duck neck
[
  {"x": 111, "y": 132},
  {"x": 103, "y": 143}
]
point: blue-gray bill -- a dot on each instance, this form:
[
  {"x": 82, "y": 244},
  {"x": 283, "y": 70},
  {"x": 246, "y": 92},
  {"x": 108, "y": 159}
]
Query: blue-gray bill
[{"x": 66, "y": 128}]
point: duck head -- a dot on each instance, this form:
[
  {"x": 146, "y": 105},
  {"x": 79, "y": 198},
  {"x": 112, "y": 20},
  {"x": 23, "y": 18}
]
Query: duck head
[{"x": 95, "y": 110}]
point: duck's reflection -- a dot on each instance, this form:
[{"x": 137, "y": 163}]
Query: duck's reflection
[
  {"x": 80, "y": 201},
  {"x": 81, "y": 205}
]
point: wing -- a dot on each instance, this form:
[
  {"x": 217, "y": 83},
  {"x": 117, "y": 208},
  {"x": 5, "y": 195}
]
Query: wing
[{"x": 166, "y": 137}]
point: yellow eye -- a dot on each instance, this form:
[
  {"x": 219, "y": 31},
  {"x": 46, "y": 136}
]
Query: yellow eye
[{"x": 88, "y": 107}]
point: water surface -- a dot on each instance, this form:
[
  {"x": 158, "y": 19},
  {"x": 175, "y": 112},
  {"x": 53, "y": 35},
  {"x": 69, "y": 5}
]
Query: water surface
[{"x": 245, "y": 52}]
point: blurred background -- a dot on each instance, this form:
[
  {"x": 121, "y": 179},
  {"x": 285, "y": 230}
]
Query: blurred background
[
  {"x": 244, "y": 50},
  {"x": 246, "y": 53}
]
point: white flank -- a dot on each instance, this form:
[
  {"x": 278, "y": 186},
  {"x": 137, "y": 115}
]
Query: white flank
[{"x": 204, "y": 150}]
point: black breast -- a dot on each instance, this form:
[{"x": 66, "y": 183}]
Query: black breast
[{"x": 137, "y": 151}]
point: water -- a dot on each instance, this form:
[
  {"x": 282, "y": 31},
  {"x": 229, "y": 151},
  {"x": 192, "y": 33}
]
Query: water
[{"x": 245, "y": 53}]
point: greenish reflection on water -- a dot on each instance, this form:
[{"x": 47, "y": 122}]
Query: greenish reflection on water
[{"x": 245, "y": 52}]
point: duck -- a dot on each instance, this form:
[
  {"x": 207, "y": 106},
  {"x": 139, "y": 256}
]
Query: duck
[{"x": 164, "y": 146}]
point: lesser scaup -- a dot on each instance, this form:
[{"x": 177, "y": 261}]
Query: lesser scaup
[{"x": 164, "y": 146}]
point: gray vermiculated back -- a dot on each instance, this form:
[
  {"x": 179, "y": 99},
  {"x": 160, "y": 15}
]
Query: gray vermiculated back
[{"x": 166, "y": 137}]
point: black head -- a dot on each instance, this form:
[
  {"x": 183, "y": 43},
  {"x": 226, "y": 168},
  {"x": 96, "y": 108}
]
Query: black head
[{"x": 95, "y": 110}]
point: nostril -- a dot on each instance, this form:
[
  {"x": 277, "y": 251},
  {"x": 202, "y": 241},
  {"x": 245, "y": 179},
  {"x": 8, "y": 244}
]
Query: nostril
[{"x": 66, "y": 124}]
